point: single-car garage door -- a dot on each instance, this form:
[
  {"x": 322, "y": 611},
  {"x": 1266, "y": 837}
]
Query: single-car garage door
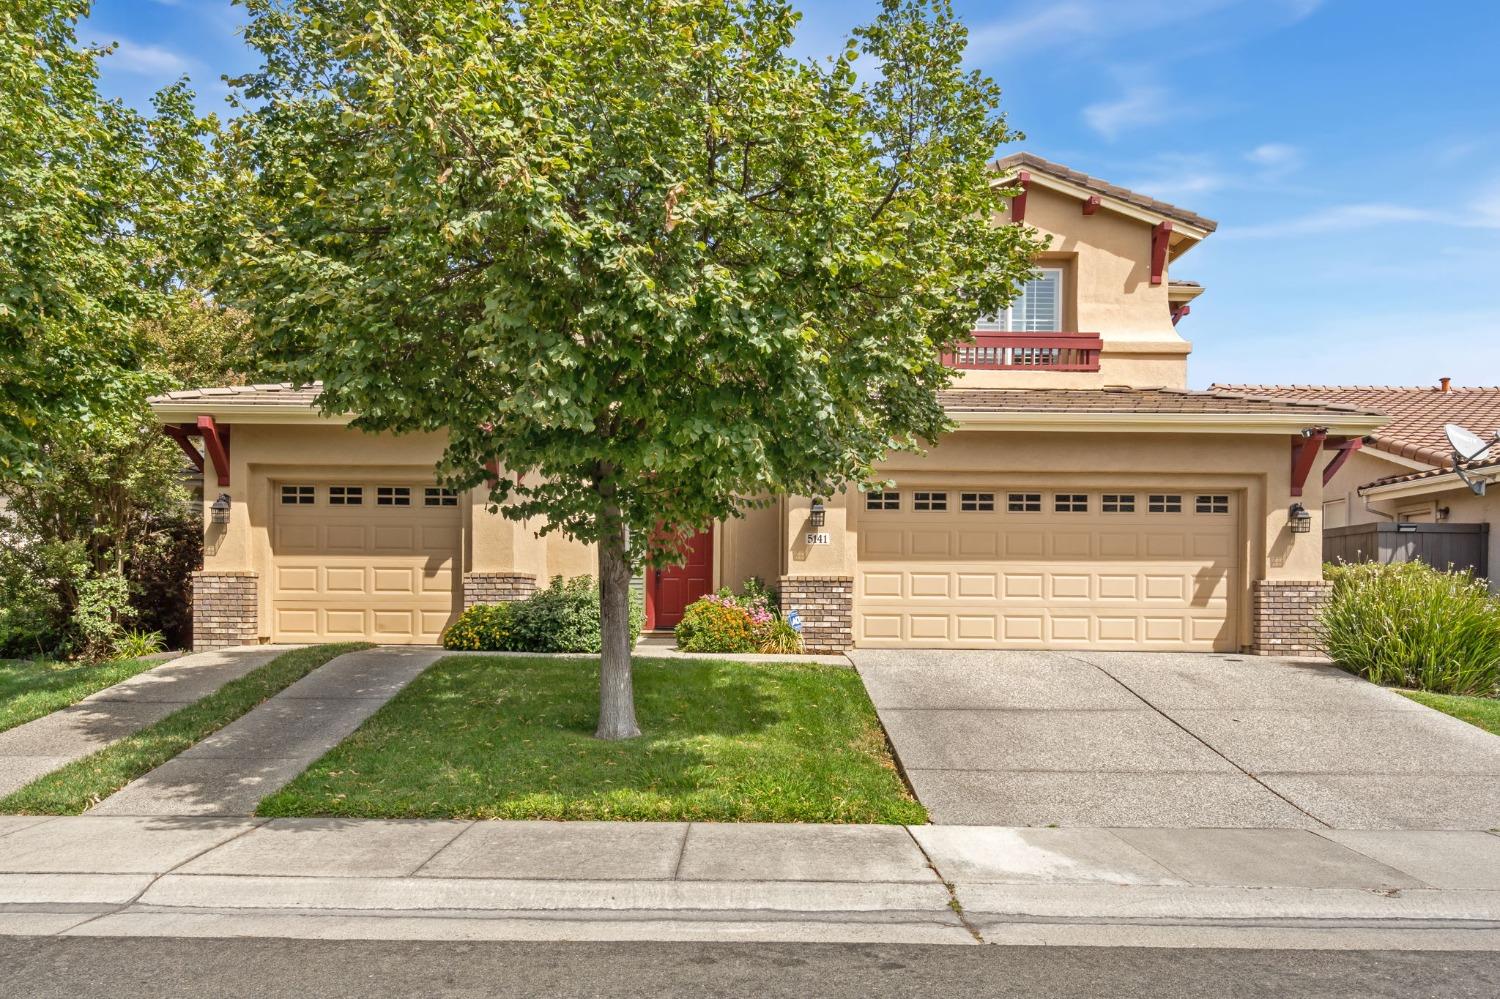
[
  {"x": 362, "y": 560},
  {"x": 1034, "y": 568}
]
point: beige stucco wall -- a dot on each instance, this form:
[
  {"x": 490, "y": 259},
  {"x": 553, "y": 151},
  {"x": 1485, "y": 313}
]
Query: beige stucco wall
[{"x": 1107, "y": 289}]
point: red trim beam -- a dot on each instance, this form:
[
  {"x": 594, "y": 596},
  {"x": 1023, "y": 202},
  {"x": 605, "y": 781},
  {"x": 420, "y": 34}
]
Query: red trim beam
[
  {"x": 1304, "y": 452},
  {"x": 1018, "y": 203},
  {"x": 1161, "y": 239},
  {"x": 216, "y": 443},
  {"x": 180, "y": 435},
  {"x": 1342, "y": 450}
]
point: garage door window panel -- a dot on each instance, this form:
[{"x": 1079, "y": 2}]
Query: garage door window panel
[
  {"x": 293, "y": 495},
  {"x": 1024, "y": 503},
  {"x": 886, "y": 500},
  {"x": 929, "y": 502},
  {"x": 1071, "y": 503},
  {"x": 346, "y": 495},
  {"x": 393, "y": 496},
  {"x": 1164, "y": 503}
]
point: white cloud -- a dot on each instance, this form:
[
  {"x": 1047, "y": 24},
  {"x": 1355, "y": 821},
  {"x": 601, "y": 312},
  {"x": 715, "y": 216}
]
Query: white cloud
[
  {"x": 1140, "y": 106},
  {"x": 1275, "y": 157},
  {"x": 1071, "y": 23},
  {"x": 1481, "y": 213},
  {"x": 147, "y": 60}
]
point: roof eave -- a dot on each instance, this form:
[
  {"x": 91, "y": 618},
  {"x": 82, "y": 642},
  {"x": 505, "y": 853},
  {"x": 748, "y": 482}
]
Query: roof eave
[
  {"x": 1185, "y": 235},
  {"x": 180, "y": 410},
  {"x": 1426, "y": 486}
]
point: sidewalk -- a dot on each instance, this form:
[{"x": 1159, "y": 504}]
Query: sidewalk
[
  {"x": 265, "y": 749},
  {"x": 53, "y": 741},
  {"x": 445, "y": 880}
]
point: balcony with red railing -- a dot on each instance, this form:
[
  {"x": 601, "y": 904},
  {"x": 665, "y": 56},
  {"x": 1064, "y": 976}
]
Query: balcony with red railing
[{"x": 1027, "y": 352}]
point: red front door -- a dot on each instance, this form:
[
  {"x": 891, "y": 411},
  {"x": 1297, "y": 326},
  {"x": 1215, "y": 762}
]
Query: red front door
[{"x": 671, "y": 589}]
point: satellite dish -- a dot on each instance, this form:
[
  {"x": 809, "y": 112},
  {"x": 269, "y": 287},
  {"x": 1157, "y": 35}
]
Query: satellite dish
[{"x": 1467, "y": 446}]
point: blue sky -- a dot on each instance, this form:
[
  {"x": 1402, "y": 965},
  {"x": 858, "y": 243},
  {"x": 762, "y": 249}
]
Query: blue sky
[{"x": 1350, "y": 150}]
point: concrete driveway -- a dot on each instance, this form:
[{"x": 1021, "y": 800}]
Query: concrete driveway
[{"x": 1174, "y": 740}]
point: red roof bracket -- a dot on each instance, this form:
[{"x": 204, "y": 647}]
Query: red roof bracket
[
  {"x": 1018, "y": 203},
  {"x": 1161, "y": 237},
  {"x": 216, "y": 443},
  {"x": 1304, "y": 452},
  {"x": 1091, "y": 204},
  {"x": 1182, "y": 310},
  {"x": 1342, "y": 450},
  {"x": 180, "y": 435}
]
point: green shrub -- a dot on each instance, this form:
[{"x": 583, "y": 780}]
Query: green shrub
[
  {"x": 1409, "y": 625},
  {"x": 139, "y": 643},
  {"x": 778, "y": 638},
  {"x": 563, "y": 617},
  {"x": 715, "y": 624},
  {"x": 481, "y": 628}
]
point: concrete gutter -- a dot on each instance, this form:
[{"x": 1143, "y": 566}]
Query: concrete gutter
[{"x": 438, "y": 880}]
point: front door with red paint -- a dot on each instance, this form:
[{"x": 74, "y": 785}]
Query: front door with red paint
[{"x": 669, "y": 590}]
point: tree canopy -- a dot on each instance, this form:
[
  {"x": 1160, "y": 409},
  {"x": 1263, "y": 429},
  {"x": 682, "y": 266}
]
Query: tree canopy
[
  {"x": 632, "y": 251},
  {"x": 94, "y": 213}
]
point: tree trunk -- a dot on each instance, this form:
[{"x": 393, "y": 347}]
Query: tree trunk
[{"x": 616, "y": 692}]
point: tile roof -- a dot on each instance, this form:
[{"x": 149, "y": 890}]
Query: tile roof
[
  {"x": 986, "y": 400},
  {"x": 1417, "y": 414},
  {"x": 1432, "y": 473},
  {"x": 283, "y": 394},
  {"x": 1130, "y": 400},
  {"x": 1030, "y": 161}
]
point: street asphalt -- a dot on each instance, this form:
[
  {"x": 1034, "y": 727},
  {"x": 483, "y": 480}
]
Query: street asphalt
[{"x": 166, "y": 968}]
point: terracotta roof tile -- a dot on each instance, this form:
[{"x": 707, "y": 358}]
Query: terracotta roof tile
[
  {"x": 284, "y": 394},
  {"x": 1432, "y": 473},
  {"x": 1031, "y": 161},
  {"x": 1417, "y": 414},
  {"x": 1130, "y": 400}
]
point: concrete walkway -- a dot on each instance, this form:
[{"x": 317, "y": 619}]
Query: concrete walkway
[
  {"x": 1176, "y": 741},
  {"x": 343, "y": 879},
  {"x": 39, "y": 747},
  {"x": 257, "y": 754}
]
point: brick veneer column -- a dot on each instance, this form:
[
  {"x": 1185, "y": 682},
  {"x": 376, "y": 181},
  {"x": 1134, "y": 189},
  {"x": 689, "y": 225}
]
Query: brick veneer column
[
  {"x": 226, "y": 609},
  {"x": 497, "y": 587},
  {"x": 1286, "y": 616},
  {"x": 826, "y": 604}
]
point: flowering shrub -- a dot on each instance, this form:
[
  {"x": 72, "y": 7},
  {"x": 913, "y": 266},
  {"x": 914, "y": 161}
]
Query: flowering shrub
[
  {"x": 481, "y": 628},
  {"x": 723, "y": 622},
  {"x": 715, "y": 624}
]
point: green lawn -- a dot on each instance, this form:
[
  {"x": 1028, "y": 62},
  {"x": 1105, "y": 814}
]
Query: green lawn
[
  {"x": 83, "y": 783},
  {"x": 512, "y": 737},
  {"x": 30, "y": 688},
  {"x": 1481, "y": 711}
]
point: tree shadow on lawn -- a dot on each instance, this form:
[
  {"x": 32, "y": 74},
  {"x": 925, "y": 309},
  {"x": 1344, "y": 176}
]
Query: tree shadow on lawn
[{"x": 513, "y": 738}]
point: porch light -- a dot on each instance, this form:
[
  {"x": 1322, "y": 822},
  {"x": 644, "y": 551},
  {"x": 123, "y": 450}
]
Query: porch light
[
  {"x": 1299, "y": 519},
  {"x": 816, "y": 514},
  {"x": 220, "y": 509}
]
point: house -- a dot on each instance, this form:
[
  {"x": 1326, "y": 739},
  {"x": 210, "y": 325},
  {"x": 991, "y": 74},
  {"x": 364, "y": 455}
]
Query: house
[
  {"x": 1404, "y": 472},
  {"x": 1086, "y": 498}
]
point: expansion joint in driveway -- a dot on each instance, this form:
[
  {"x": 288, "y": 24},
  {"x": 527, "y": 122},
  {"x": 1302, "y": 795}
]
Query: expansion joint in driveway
[{"x": 1199, "y": 739}]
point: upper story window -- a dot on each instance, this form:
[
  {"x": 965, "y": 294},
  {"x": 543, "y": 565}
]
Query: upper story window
[{"x": 1038, "y": 309}]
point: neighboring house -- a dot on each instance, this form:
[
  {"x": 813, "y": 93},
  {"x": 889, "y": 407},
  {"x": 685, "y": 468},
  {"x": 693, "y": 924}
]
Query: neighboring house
[
  {"x": 1085, "y": 500},
  {"x": 1404, "y": 473}
]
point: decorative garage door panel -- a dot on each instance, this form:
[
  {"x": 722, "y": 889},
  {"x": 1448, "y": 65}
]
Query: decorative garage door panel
[
  {"x": 358, "y": 570},
  {"x": 991, "y": 578}
]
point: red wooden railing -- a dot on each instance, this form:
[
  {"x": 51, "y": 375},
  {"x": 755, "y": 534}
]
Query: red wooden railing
[{"x": 1027, "y": 352}]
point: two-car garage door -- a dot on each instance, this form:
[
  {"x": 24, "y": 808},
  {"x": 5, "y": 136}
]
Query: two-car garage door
[
  {"x": 355, "y": 560},
  {"x": 1031, "y": 568}
]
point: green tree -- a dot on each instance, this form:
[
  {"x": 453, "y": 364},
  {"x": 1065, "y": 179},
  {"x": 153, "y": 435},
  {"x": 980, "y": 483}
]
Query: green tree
[
  {"x": 631, "y": 250},
  {"x": 95, "y": 216},
  {"x": 102, "y": 522}
]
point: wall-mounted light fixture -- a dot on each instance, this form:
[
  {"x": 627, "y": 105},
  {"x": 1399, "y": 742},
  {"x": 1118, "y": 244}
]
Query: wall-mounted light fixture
[
  {"x": 1299, "y": 519},
  {"x": 817, "y": 514},
  {"x": 220, "y": 509}
]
